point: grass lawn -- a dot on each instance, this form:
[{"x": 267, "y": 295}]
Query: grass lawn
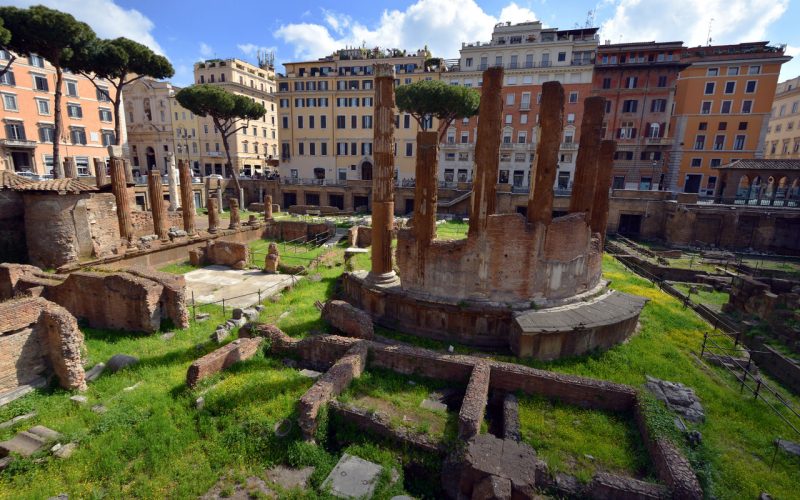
[
  {"x": 582, "y": 442},
  {"x": 452, "y": 230},
  {"x": 714, "y": 299},
  {"x": 152, "y": 443},
  {"x": 178, "y": 268},
  {"x": 291, "y": 254}
]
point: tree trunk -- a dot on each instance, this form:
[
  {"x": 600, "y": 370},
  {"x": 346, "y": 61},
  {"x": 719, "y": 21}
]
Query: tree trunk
[
  {"x": 229, "y": 164},
  {"x": 117, "y": 123},
  {"x": 57, "y": 166}
]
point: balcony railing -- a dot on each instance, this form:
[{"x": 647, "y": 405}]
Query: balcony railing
[
  {"x": 18, "y": 143},
  {"x": 305, "y": 181},
  {"x": 569, "y": 146},
  {"x": 658, "y": 141}
]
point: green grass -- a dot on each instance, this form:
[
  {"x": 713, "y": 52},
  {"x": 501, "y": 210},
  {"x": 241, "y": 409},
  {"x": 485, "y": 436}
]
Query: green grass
[
  {"x": 582, "y": 442},
  {"x": 178, "y": 268},
  {"x": 291, "y": 254},
  {"x": 452, "y": 230},
  {"x": 712, "y": 299}
]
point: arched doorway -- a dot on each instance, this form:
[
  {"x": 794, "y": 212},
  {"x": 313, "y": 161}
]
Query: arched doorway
[
  {"x": 743, "y": 189},
  {"x": 151, "y": 158},
  {"x": 366, "y": 171}
]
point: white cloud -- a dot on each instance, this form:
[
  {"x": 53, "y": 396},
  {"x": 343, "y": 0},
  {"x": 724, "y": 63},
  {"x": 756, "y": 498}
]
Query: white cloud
[
  {"x": 688, "y": 20},
  {"x": 441, "y": 24},
  {"x": 251, "y": 49},
  {"x": 205, "y": 50},
  {"x": 106, "y": 18},
  {"x": 792, "y": 68}
]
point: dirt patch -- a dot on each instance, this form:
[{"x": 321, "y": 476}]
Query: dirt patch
[{"x": 422, "y": 420}]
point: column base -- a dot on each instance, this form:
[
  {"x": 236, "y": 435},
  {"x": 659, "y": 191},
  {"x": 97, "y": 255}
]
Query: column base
[{"x": 385, "y": 279}]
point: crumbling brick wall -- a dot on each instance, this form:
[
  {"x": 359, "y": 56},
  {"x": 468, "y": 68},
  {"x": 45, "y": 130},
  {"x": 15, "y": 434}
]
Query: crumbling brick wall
[
  {"x": 349, "y": 320},
  {"x": 135, "y": 301},
  {"x": 474, "y": 405},
  {"x": 524, "y": 261},
  {"x": 142, "y": 221},
  {"x": 12, "y": 227},
  {"x": 220, "y": 359},
  {"x": 37, "y": 337}
]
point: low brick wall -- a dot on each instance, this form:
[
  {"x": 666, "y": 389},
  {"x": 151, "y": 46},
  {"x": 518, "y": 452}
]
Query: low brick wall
[
  {"x": 784, "y": 369},
  {"x": 473, "y": 407},
  {"x": 38, "y": 337},
  {"x": 328, "y": 386},
  {"x": 291, "y": 230},
  {"x": 220, "y": 359},
  {"x": 349, "y": 320}
]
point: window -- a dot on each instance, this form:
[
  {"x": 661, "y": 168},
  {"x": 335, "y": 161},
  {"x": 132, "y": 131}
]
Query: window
[
  {"x": 658, "y": 106},
  {"x": 72, "y": 88},
  {"x": 366, "y": 121},
  {"x": 722, "y": 126},
  {"x": 354, "y": 122},
  {"x": 77, "y": 136},
  {"x": 750, "y": 87},
  {"x": 510, "y": 99},
  {"x": 409, "y": 149},
  {"x": 725, "y": 108},
  {"x": 742, "y": 125},
  {"x": 655, "y": 131},
  {"x": 108, "y": 138},
  {"x": 570, "y": 117},
  {"x": 738, "y": 142},
  {"x": 730, "y": 87},
  {"x": 631, "y": 82},
  {"x": 754, "y": 70},
  {"x": 10, "y": 102},
  {"x": 299, "y": 122},
  {"x": 8, "y": 78},
  {"x": 341, "y": 122},
  {"x": 498, "y": 60},
  {"x": 573, "y": 97},
  {"x": 40, "y": 83},
  {"x": 626, "y": 131},
  {"x": 323, "y": 121},
  {"x": 719, "y": 143},
  {"x": 699, "y": 141},
  {"x": 284, "y": 123},
  {"x": 105, "y": 115},
  {"x": 509, "y": 119},
  {"x": 47, "y": 134},
  {"x": 709, "y": 89},
  {"x": 733, "y": 70},
  {"x": 712, "y": 72},
  {"x": 697, "y": 162},
  {"x": 629, "y": 106},
  {"x": 702, "y": 126},
  {"x": 662, "y": 81},
  {"x": 43, "y": 105},
  {"x": 323, "y": 148},
  {"x": 562, "y": 56},
  {"x": 705, "y": 108},
  {"x": 406, "y": 121},
  {"x": 606, "y": 83},
  {"x": 35, "y": 60},
  {"x": 312, "y": 148},
  {"x": 747, "y": 107},
  {"x": 103, "y": 96},
  {"x": 608, "y": 106},
  {"x": 15, "y": 131}
]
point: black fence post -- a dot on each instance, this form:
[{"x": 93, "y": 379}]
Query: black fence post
[
  {"x": 194, "y": 308},
  {"x": 223, "y": 308},
  {"x": 703, "y": 348},
  {"x": 758, "y": 386}
]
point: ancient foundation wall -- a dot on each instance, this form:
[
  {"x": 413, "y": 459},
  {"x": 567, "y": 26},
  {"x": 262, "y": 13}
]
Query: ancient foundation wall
[
  {"x": 291, "y": 230},
  {"x": 38, "y": 337},
  {"x": 143, "y": 222},
  {"x": 220, "y": 359},
  {"x": 221, "y": 253},
  {"x": 524, "y": 261},
  {"x": 60, "y": 229},
  {"x": 12, "y": 227}
]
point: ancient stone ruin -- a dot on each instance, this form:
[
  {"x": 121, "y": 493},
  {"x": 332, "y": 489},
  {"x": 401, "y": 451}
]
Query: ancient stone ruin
[
  {"x": 531, "y": 283},
  {"x": 135, "y": 300},
  {"x": 221, "y": 253},
  {"x": 273, "y": 259},
  {"x": 39, "y": 338}
]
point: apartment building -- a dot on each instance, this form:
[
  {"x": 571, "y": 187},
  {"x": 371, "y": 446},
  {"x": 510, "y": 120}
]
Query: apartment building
[
  {"x": 28, "y": 93},
  {"x": 326, "y": 112},
  {"x": 530, "y": 55},
  {"x": 783, "y": 131},
  {"x": 638, "y": 82},
  {"x": 185, "y": 127},
  {"x": 722, "y": 108},
  {"x": 254, "y": 148}
]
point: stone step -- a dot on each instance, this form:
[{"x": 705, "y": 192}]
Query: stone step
[{"x": 22, "y": 390}]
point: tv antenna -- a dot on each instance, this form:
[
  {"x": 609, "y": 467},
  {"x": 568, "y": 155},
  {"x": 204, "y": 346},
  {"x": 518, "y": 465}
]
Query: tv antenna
[
  {"x": 589, "y": 19},
  {"x": 708, "y": 39}
]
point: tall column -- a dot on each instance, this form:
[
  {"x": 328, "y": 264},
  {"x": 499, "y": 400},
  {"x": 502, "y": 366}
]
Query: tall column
[
  {"x": 487, "y": 151},
  {"x": 213, "y": 214},
  {"x": 236, "y": 223},
  {"x": 157, "y": 204},
  {"x": 70, "y": 168},
  {"x": 100, "y": 172},
  {"x": 121, "y": 195},
  {"x": 172, "y": 179},
  {"x": 268, "y": 207},
  {"x": 219, "y": 196},
  {"x": 187, "y": 197},
  {"x": 425, "y": 189},
  {"x": 551, "y": 124},
  {"x": 128, "y": 172},
  {"x": 585, "y": 181},
  {"x": 605, "y": 166},
  {"x": 382, "y": 180}
]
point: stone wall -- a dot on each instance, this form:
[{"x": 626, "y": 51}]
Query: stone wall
[
  {"x": 360, "y": 236},
  {"x": 323, "y": 209},
  {"x": 221, "y": 253},
  {"x": 135, "y": 301},
  {"x": 473, "y": 407},
  {"x": 12, "y": 227},
  {"x": 38, "y": 337},
  {"x": 60, "y": 229},
  {"x": 777, "y": 365},
  {"x": 297, "y": 230},
  {"x": 220, "y": 359},
  {"x": 349, "y": 320},
  {"x": 143, "y": 221},
  {"x": 523, "y": 261}
]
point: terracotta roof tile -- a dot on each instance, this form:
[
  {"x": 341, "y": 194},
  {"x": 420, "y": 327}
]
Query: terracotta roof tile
[
  {"x": 10, "y": 180},
  {"x": 58, "y": 185},
  {"x": 753, "y": 164}
]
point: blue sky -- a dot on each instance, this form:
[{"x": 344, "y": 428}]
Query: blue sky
[{"x": 297, "y": 30}]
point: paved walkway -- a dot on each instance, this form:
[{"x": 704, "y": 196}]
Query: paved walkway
[{"x": 213, "y": 283}]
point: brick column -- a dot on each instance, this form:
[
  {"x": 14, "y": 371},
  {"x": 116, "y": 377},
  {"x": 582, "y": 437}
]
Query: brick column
[
  {"x": 157, "y": 204},
  {"x": 128, "y": 172},
  {"x": 121, "y": 195},
  {"x": 70, "y": 168},
  {"x": 551, "y": 124},
  {"x": 584, "y": 183},
  {"x": 268, "y": 207},
  {"x": 605, "y": 167},
  {"x": 187, "y": 197},
  {"x": 213, "y": 214},
  {"x": 233, "y": 203},
  {"x": 487, "y": 151},
  {"x": 382, "y": 180},
  {"x": 172, "y": 178},
  {"x": 425, "y": 189},
  {"x": 100, "y": 172}
]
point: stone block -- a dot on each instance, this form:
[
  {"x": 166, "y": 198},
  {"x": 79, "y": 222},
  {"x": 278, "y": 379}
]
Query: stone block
[
  {"x": 352, "y": 477},
  {"x": 222, "y": 358},
  {"x": 119, "y": 362},
  {"x": 95, "y": 372},
  {"x": 349, "y": 320},
  {"x": 66, "y": 451},
  {"x": 474, "y": 405}
]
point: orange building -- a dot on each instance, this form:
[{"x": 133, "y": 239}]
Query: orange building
[
  {"x": 722, "y": 108},
  {"x": 28, "y": 94},
  {"x": 530, "y": 56}
]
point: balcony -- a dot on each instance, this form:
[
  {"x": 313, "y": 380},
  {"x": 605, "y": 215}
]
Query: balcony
[
  {"x": 305, "y": 181},
  {"x": 658, "y": 141},
  {"x": 17, "y": 143},
  {"x": 569, "y": 146}
]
